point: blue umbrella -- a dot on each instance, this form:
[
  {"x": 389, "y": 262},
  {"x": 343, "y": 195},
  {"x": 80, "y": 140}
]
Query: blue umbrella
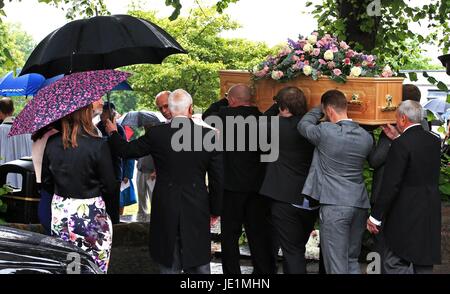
[
  {"x": 124, "y": 86},
  {"x": 24, "y": 85},
  {"x": 437, "y": 105},
  {"x": 51, "y": 81}
]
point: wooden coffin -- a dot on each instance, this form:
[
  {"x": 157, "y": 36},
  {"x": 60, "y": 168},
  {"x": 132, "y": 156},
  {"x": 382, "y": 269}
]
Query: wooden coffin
[{"x": 372, "y": 101}]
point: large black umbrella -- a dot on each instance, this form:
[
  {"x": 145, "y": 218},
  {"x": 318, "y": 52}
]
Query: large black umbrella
[{"x": 101, "y": 42}]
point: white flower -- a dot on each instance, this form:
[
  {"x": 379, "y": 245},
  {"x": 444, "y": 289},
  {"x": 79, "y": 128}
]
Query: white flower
[
  {"x": 276, "y": 74},
  {"x": 307, "y": 70},
  {"x": 308, "y": 48},
  {"x": 355, "y": 71},
  {"x": 312, "y": 39},
  {"x": 328, "y": 55}
]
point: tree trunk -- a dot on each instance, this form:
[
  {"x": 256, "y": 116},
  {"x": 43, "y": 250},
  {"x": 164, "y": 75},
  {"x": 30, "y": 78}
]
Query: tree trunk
[{"x": 352, "y": 10}]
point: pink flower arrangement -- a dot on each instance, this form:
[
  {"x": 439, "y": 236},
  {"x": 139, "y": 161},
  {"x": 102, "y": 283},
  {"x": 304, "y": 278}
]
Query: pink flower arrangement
[{"x": 315, "y": 56}]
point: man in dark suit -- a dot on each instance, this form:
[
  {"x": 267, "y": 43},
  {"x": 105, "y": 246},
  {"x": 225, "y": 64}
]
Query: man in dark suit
[
  {"x": 182, "y": 203},
  {"x": 243, "y": 205},
  {"x": 409, "y": 205},
  {"x": 377, "y": 157},
  {"x": 113, "y": 201},
  {"x": 293, "y": 214}
]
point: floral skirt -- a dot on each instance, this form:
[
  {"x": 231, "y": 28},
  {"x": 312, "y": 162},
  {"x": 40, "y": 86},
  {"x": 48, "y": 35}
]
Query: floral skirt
[{"x": 84, "y": 223}]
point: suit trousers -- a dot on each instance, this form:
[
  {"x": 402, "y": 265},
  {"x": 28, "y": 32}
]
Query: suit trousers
[
  {"x": 293, "y": 227},
  {"x": 393, "y": 264},
  {"x": 144, "y": 192},
  {"x": 341, "y": 232},
  {"x": 253, "y": 211},
  {"x": 177, "y": 267}
]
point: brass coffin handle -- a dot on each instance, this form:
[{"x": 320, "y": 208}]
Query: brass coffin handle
[
  {"x": 389, "y": 106},
  {"x": 355, "y": 100}
]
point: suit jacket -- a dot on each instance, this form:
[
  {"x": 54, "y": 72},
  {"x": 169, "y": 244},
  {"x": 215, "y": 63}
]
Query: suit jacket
[
  {"x": 82, "y": 172},
  {"x": 214, "y": 108},
  {"x": 182, "y": 203},
  {"x": 116, "y": 160},
  {"x": 410, "y": 203},
  {"x": 377, "y": 160},
  {"x": 286, "y": 176},
  {"x": 244, "y": 171},
  {"x": 336, "y": 173}
]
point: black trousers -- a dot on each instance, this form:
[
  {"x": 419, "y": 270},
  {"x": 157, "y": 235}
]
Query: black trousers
[
  {"x": 253, "y": 211},
  {"x": 112, "y": 203},
  {"x": 293, "y": 227}
]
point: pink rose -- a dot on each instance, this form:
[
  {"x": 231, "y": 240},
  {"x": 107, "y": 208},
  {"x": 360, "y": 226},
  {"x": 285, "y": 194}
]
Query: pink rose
[
  {"x": 299, "y": 52},
  {"x": 306, "y": 62},
  {"x": 302, "y": 43},
  {"x": 331, "y": 65},
  {"x": 337, "y": 72},
  {"x": 347, "y": 61},
  {"x": 315, "y": 33},
  {"x": 302, "y": 57},
  {"x": 343, "y": 45},
  {"x": 321, "y": 61},
  {"x": 295, "y": 58},
  {"x": 370, "y": 58},
  {"x": 350, "y": 54},
  {"x": 316, "y": 52}
]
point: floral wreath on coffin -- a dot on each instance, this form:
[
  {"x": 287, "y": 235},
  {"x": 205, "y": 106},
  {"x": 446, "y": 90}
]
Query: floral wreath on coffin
[{"x": 316, "y": 57}]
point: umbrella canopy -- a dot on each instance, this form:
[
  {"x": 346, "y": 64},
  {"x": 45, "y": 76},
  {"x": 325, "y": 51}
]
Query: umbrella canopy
[
  {"x": 65, "y": 96},
  {"x": 101, "y": 42},
  {"x": 124, "y": 86},
  {"x": 139, "y": 118},
  {"x": 24, "y": 85},
  {"x": 438, "y": 106}
]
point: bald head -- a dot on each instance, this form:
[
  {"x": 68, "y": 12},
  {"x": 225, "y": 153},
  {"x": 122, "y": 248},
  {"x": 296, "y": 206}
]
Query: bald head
[
  {"x": 239, "y": 95},
  {"x": 180, "y": 103},
  {"x": 162, "y": 103}
]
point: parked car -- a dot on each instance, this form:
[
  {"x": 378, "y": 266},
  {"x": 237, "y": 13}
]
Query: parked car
[{"x": 27, "y": 252}]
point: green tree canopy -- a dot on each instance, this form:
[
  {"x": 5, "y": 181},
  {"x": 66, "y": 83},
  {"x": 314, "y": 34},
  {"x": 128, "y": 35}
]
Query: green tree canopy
[{"x": 196, "y": 72}]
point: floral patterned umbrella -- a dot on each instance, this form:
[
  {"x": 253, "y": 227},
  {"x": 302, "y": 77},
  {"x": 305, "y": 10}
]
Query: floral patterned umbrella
[{"x": 65, "y": 96}]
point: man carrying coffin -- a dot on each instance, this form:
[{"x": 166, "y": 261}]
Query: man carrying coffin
[{"x": 335, "y": 179}]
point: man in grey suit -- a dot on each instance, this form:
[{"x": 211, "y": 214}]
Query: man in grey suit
[{"x": 335, "y": 179}]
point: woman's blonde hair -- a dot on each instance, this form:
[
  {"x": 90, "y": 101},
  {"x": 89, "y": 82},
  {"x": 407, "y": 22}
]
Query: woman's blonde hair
[{"x": 75, "y": 124}]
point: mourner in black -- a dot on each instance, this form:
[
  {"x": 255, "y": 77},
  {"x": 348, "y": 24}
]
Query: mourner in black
[
  {"x": 408, "y": 207},
  {"x": 113, "y": 200},
  {"x": 182, "y": 203},
  {"x": 293, "y": 214},
  {"x": 243, "y": 205}
]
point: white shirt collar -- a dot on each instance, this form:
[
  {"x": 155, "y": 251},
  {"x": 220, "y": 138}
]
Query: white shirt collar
[
  {"x": 411, "y": 127},
  {"x": 345, "y": 119}
]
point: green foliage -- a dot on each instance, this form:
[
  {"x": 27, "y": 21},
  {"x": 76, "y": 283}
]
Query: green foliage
[
  {"x": 444, "y": 179},
  {"x": 22, "y": 40},
  {"x": 388, "y": 35},
  {"x": 11, "y": 55},
  {"x": 221, "y": 5},
  {"x": 197, "y": 71},
  {"x": 76, "y": 9},
  {"x": 3, "y": 190}
]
